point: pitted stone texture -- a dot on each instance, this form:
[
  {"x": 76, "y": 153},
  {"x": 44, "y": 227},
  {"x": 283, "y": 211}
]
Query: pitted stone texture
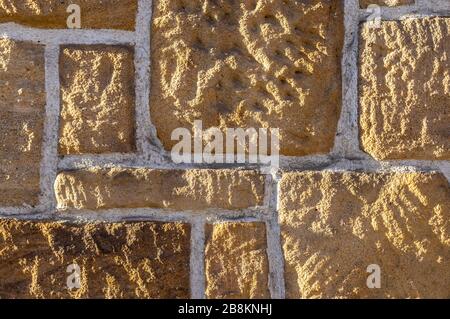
[
  {"x": 388, "y": 3},
  {"x": 334, "y": 225},
  {"x": 236, "y": 261},
  {"x": 95, "y": 14},
  {"x": 97, "y": 92},
  {"x": 119, "y": 260},
  {"x": 405, "y": 89},
  {"x": 175, "y": 189},
  {"x": 22, "y": 111},
  {"x": 249, "y": 64}
]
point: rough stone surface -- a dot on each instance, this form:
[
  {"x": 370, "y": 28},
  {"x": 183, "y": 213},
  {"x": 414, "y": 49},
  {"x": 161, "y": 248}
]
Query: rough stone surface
[
  {"x": 97, "y": 93},
  {"x": 236, "y": 261},
  {"x": 243, "y": 64},
  {"x": 95, "y": 14},
  {"x": 405, "y": 89},
  {"x": 22, "y": 110},
  {"x": 123, "y": 260},
  {"x": 175, "y": 189},
  {"x": 334, "y": 225},
  {"x": 388, "y": 3}
]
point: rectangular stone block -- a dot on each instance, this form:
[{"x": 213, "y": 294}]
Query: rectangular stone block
[
  {"x": 98, "y": 100},
  {"x": 404, "y": 88},
  {"x": 113, "y": 260},
  {"x": 336, "y": 226},
  {"x": 22, "y": 111},
  {"x": 175, "y": 189},
  {"x": 236, "y": 262},
  {"x": 251, "y": 64},
  {"x": 52, "y": 14},
  {"x": 387, "y": 3}
]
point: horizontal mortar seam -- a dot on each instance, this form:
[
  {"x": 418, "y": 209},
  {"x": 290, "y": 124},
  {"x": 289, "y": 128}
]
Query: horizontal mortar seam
[{"x": 66, "y": 36}]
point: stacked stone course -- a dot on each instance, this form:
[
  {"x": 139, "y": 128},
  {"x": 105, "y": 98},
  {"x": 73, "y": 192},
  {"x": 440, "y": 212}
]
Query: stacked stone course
[{"x": 86, "y": 176}]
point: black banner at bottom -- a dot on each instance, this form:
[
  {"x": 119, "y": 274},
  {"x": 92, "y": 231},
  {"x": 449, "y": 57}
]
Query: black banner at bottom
[{"x": 222, "y": 308}]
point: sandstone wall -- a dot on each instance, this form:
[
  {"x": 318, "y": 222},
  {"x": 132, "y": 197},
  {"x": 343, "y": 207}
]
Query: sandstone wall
[{"x": 86, "y": 177}]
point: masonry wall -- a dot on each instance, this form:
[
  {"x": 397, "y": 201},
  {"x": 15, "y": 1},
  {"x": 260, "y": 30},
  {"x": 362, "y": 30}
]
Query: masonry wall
[{"x": 86, "y": 176}]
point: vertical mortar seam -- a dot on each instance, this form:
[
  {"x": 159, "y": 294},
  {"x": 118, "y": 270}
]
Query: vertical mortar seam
[
  {"x": 150, "y": 145},
  {"x": 347, "y": 136},
  {"x": 273, "y": 236},
  {"x": 49, "y": 161},
  {"x": 197, "y": 258},
  {"x": 147, "y": 135},
  {"x": 142, "y": 78}
]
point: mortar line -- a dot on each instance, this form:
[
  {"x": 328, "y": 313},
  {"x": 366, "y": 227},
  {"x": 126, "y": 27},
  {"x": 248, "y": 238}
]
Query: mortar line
[
  {"x": 301, "y": 163},
  {"x": 273, "y": 237},
  {"x": 49, "y": 161},
  {"x": 162, "y": 213},
  {"x": 433, "y": 4},
  {"x": 400, "y": 16},
  {"x": 142, "y": 85},
  {"x": 154, "y": 149},
  {"x": 418, "y": 9},
  {"x": 197, "y": 258},
  {"x": 370, "y": 166},
  {"x": 221, "y": 219},
  {"x": 445, "y": 170},
  {"x": 268, "y": 191},
  {"x": 390, "y": 13},
  {"x": 66, "y": 36},
  {"x": 123, "y": 215},
  {"x": 147, "y": 142},
  {"x": 133, "y": 160},
  {"x": 347, "y": 136},
  {"x": 19, "y": 211}
]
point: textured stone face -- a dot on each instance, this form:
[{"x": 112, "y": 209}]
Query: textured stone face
[
  {"x": 236, "y": 261},
  {"x": 405, "y": 89},
  {"x": 249, "y": 64},
  {"x": 388, "y": 3},
  {"x": 97, "y": 93},
  {"x": 175, "y": 189},
  {"x": 124, "y": 260},
  {"x": 22, "y": 110},
  {"x": 334, "y": 225},
  {"x": 95, "y": 14}
]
